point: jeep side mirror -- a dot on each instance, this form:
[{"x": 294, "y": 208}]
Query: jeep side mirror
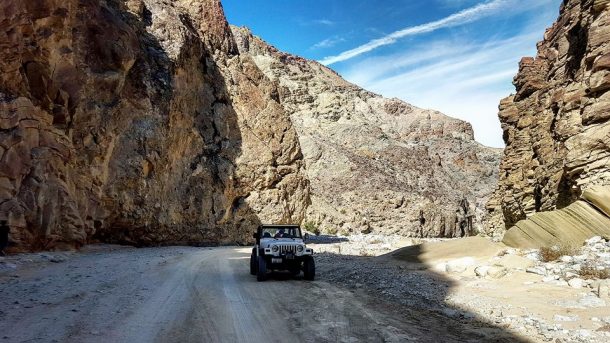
[
  {"x": 306, "y": 237},
  {"x": 255, "y": 235}
]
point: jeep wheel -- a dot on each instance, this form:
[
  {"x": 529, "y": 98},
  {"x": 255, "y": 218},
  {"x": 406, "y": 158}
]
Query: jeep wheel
[
  {"x": 253, "y": 266},
  {"x": 309, "y": 269},
  {"x": 261, "y": 273}
]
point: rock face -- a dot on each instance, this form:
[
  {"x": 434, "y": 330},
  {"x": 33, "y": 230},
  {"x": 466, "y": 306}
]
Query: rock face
[
  {"x": 376, "y": 164},
  {"x": 151, "y": 122},
  {"x": 556, "y": 126},
  {"x": 137, "y": 121}
]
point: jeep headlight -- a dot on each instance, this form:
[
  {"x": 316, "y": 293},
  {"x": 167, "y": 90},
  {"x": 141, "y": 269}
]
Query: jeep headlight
[
  {"x": 275, "y": 248},
  {"x": 300, "y": 248}
]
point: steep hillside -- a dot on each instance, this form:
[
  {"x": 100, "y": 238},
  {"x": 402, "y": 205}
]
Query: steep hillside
[
  {"x": 557, "y": 125},
  {"x": 378, "y": 164},
  {"x": 137, "y": 121}
]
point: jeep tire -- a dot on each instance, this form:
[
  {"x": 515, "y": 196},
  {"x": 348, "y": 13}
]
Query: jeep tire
[
  {"x": 253, "y": 264},
  {"x": 309, "y": 269},
  {"x": 261, "y": 272}
]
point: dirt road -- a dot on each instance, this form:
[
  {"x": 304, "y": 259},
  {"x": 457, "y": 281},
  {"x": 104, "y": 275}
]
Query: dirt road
[{"x": 183, "y": 294}]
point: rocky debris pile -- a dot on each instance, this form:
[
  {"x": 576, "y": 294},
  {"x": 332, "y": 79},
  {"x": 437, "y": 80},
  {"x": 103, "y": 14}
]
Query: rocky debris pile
[
  {"x": 556, "y": 126},
  {"x": 531, "y": 326},
  {"x": 473, "y": 288},
  {"x": 419, "y": 289},
  {"x": 363, "y": 245},
  {"x": 412, "y": 288},
  {"x": 378, "y": 165},
  {"x": 10, "y": 264},
  {"x": 589, "y": 268}
]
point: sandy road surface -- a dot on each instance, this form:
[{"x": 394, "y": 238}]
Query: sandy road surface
[{"x": 183, "y": 294}]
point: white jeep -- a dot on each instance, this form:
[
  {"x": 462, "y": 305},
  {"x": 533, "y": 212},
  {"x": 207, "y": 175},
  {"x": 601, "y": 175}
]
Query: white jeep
[{"x": 281, "y": 247}]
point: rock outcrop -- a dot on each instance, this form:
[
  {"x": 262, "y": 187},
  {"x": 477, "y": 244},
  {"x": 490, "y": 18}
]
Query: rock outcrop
[
  {"x": 556, "y": 126},
  {"x": 569, "y": 226},
  {"x": 138, "y": 121},
  {"x": 376, "y": 164}
]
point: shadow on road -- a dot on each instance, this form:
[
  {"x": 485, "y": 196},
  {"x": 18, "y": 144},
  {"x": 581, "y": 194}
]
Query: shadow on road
[
  {"x": 400, "y": 282},
  {"x": 326, "y": 239}
]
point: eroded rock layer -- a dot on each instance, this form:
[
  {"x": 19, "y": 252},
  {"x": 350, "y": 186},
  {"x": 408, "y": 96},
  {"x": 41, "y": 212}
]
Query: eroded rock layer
[
  {"x": 569, "y": 226},
  {"x": 556, "y": 126},
  {"x": 376, "y": 164},
  {"x": 137, "y": 121}
]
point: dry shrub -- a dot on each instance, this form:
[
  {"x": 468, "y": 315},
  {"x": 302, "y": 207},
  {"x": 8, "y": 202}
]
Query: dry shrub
[
  {"x": 589, "y": 272},
  {"x": 332, "y": 231},
  {"x": 312, "y": 227},
  {"x": 549, "y": 254}
]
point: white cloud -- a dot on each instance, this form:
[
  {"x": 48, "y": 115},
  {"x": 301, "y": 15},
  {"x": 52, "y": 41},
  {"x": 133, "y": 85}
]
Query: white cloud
[
  {"x": 327, "y": 43},
  {"x": 469, "y": 15},
  {"x": 461, "y": 79},
  {"x": 324, "y": 22},
  {"x": 465, "y": 16},
  {"x": 318, "y": 22},
  {"x": 459, "y": 74}
]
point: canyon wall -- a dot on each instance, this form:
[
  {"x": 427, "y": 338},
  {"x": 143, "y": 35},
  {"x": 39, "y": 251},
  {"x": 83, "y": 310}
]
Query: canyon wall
[
  {"x": 557, "y": 124},
  {"x": 152, "y": 122},
  {"x": 376, "y": 164},
  {"x": 137, "y": 122}
]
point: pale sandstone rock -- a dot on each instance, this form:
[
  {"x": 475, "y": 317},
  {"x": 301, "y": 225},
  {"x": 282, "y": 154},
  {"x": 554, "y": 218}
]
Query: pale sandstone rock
[
  {"x": 575, "y": 283},
  {"x": 497, "y": 272},
  {"x": 459, "y": 265},
  {"x": 572, "y": 226},
  {"x": 481, "y": 271}
]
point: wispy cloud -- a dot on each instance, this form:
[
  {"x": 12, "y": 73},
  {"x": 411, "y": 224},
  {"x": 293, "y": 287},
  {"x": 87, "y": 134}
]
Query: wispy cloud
[
  {"x": 455, "y": 3},
  {"x": 318, "y": 22},
  {"x": 327, "y": 43},
  {"x": 457, "y": 77},
  {"x": 464, "y": 73},
  {"x": 465, "y": 16},
  {"x": 324, "y": 22}
]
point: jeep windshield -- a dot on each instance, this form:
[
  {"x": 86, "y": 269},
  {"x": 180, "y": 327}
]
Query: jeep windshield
[{"x": 281, "y": 232}]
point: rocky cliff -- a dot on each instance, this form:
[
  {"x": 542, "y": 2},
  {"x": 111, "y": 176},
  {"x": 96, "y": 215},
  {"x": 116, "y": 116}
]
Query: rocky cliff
[
  {"x": 378, "y": 164},
  {"x": 137, "y": 121},
  {"x": 557, "y": 124},
  {"x": 151, "y": 122}
]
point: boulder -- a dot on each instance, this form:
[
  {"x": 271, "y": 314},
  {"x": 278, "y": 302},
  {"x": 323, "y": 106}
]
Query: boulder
[
  {"x": 497, "y": 272},
  {"x": 575, "y": 283},
  {"x": 459, "y": 265}
]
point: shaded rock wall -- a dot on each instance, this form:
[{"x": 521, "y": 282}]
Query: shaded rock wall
[
  {"x": 376, "y": 164},
  {"x": 137, "y": 121},
  {"x": 556, "y": 126}
]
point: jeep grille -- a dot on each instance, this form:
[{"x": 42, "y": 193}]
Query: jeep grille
[{"x": 284, "y": 249}]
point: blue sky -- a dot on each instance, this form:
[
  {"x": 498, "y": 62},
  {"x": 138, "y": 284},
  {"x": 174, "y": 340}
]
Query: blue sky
[{"x": 455, "y": 56}]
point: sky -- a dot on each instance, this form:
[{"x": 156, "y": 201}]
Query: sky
[{"x": 455, "y": 56}]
